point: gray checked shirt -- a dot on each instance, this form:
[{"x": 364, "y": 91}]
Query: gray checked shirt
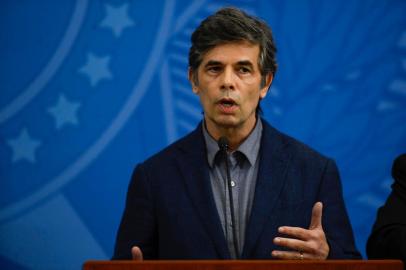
[{"x": 244, "y": 163}]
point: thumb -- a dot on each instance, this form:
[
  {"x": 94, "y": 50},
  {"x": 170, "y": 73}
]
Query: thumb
[
  {"x": 316, "y": 216},
  {"x": 136, "y": 253}
]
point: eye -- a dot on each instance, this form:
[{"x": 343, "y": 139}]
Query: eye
[
  {"x": 244, "y": 70},
  {"x": 214, "y": 69}
]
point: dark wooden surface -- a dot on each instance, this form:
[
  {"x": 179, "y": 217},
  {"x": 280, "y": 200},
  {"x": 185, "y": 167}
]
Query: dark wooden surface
[{"x": 246, "y": 265}]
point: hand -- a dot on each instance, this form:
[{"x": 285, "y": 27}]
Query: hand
[
  {"x": 305, "y": 244},
  {"x": 136, "y": 253}
]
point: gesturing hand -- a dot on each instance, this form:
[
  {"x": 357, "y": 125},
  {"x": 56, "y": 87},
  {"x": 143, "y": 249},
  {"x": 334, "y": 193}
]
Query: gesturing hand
[
  {"x": 136, "y": 253},
  {"x": 305, "y": 243}
]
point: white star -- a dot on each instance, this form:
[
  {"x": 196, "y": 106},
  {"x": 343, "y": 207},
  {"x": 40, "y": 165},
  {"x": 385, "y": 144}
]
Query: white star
[
  {"x": 96, "y": 68},
  {"x": 24, "y": 147},
  {"x": 64, "y": 112},
  {"x": 117, "y": 19}
]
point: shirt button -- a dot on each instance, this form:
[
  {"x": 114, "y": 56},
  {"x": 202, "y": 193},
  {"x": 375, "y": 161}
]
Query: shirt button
[{"x": 232, "y": 183}]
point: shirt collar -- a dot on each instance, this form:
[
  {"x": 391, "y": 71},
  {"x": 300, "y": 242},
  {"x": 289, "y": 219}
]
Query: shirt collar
[{"x": 249, "y": 148}]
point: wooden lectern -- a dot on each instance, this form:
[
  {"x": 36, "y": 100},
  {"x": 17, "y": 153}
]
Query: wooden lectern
[{"x": 246, "y": 265}]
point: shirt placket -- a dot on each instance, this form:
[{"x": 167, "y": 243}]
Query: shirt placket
[{"x": 234, "y": 174}]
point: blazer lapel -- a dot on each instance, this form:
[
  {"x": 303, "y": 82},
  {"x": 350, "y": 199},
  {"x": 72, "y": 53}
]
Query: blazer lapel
[
  {"x": 274, "y": 161},
  {"x": 194, "y": 167}
]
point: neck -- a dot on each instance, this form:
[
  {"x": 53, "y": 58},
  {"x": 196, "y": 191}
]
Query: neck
[{"x": 236, "y": 135}]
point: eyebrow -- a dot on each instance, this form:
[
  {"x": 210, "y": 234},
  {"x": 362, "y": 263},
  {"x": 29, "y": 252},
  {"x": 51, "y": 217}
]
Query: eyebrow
[
  {"x": 239, "y": 63},
  {"x": 213, "y": 63},
  {"x": 245, "y": 63}
]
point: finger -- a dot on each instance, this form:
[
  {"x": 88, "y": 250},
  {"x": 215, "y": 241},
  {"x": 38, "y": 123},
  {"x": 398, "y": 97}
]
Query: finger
[
  {"x": 294, "y": 244},
  {"x": 296, "y": 232},
  {"x": 288, "y": 255},
  {"x": 136, "y": 253},
  {"x": 316, "y": 216}
]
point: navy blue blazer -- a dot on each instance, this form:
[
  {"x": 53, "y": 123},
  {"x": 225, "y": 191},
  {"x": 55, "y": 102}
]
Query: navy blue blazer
[{"x": 170, "y": 211}]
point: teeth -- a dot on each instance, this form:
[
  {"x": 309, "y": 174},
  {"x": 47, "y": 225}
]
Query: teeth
[{"x": 227, "y": 103}]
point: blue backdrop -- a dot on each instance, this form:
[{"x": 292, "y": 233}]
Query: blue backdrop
[{"x": 90, "y": 88}]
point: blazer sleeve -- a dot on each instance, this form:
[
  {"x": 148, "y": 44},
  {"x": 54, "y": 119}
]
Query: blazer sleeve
[
  {"x": 335, "y": 219},
  {"x": 138, "y": 224}
]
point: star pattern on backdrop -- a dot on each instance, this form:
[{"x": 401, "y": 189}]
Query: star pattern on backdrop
[
  {"x": 64, "y": 112},
  {"x": 24, "y": 147},
  {"x": 117, "y": 19},
  {"x": 96, "y": 68}
]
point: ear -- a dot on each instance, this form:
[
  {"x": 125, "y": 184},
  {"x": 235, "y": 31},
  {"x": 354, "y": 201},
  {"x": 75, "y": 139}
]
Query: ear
[
  {"x": 268, "y": 81},
  {"x": 192, "y": 80}
]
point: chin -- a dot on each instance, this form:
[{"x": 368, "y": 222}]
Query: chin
[{"x": 226, "y": 122}]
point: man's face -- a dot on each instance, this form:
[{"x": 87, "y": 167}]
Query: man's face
[{"x": 229, "y": 86}]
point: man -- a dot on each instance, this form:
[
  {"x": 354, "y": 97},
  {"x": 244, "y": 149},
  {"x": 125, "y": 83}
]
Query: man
[
  {"x": 388, "y": 237},
  {"x": 271, "y": 197}
]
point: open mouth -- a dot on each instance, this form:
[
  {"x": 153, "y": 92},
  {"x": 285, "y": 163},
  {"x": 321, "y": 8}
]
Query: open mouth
[
  {"x": 227, "y": 102},
  {"x": 227, "y": 106}
]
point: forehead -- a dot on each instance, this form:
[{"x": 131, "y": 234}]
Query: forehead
[{"x": 230, "y": 53}]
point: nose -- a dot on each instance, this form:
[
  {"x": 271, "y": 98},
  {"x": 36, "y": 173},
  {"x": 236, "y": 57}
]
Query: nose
[{"x": 228, "y": 79}]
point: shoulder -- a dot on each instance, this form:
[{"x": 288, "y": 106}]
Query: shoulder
[
  {"x": 286, "y": 145},
  {"x": 191, "y": 142}
]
